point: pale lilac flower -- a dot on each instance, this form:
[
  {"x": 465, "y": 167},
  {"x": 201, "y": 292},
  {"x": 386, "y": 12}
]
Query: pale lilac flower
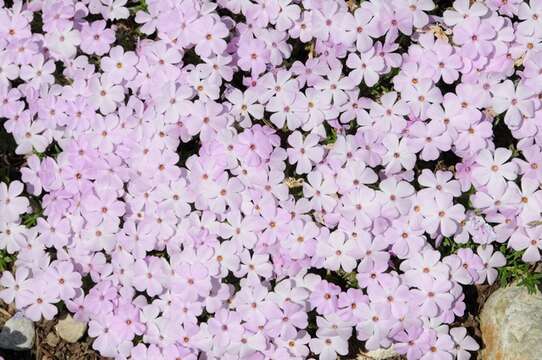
[
  {"x": 304, "y": 152},
  {"x": 95, "y": 38},
  {"x": 490, "y": 260},
  {"x": 441, "y": 214},
  {"x": 516, "y": 102},
  {"x": 492, "y": 169},
  {"x": 528, "y": 239},
  {"x": 11, "y": 204},
  {"x": 463, "y": 343},
  {"x": 365, "y": 67}
]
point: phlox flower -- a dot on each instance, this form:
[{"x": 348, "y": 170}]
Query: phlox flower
[
  {"x": 530, "y": 167},
  {"x": 221, "y": 184},
  {"x": 490, "y": 261},
  {"x": 492, "y": 169},
  {"x": 530, "y": 14},
  {"x": 338, "y": 252},
  {"x": 255, "y": 266},
  {"x": 245, "y": 105},
  {"x": 119, "y": 64},
  {"x": 253, "y": 56},
  {"x": 441, "y": 181},
  {"x": 412, "y": 341},
  {"x": 321, "y": 191},
  {"x": 105, "y": 94},
  {"x": 14, "y": 286},
  {"x": 285, "y": 321},
  {"x": 335, "y": 85},
  {"x": 441, "y": 347},
  {"x": 33, "y": 136},
  {"x": 211, "y": 36},
  {"x": 254, "y": 145},
  {"x": 374, "y": 325},
  {"x": 95, "y": 38},
  {"x": 365, "y": 67},
  {"x": 38, "y": 72},
  {"x": 442, "y": 215},
  {"x": 328, "y": 347},
  {"x": 304, "y": 152},
  {"x": 528, "y": 239},
  {"x": 390, "y": 112},
  {"x": 103, "y": 329},
  {"x": 475, "y": 35},
  {"x": 63, "y": 41},
  {"x": 516, "y": 102},
  {"x": 302, "y": 239},
  {"x": 398, "y": 154},
  {"x": 10, "y": 71},
  {"x": 392, "y": 21},
  {"x": 67, "y": 280},
  {"x": 288, "y": 110},
  {"x": 431, "y": 139},
  {"x": 432, "y": 295},
  {"x": 11, "y": 204},
  {"x": 464, "y": 343},
  {"x": 325, "y": 297},
  {"x": 421, "y": 96},
  {"x": 38, "y": 301}
]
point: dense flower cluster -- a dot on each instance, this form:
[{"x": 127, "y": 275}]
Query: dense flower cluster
[{"x": 218, "y": 178}]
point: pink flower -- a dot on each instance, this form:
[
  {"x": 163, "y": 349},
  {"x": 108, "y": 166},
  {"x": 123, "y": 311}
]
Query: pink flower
[
  {"x": 253, "y": 56},
  {"x": 432, "y": 295},
  {"x": 38, "y": 301},
  {"x": 32, "y": 136},
  {"x": 442, "y": 215},
  {"x": 398, "y": 155},
  {"x": 305, "y": 152},
  {"x": 62, "y": 42},
  {"x": 490, "y": 261},
  {"x": 517, "y": 102},
  {"x": 11, "y": 204},
  {"x": 441, "y": 347},
  {"x": 528, "y": 239},
  {"x": 492, "y": 169},
  {"x": 365, "y": 67},
  {"x": 245, "y": 106},
  {"x": 328, "y": 347},
  {"x": 105, "y": 94},
  {"x": 95, "y": 38},
  {"x": 464, "y": 343},
  {"x": 430, "y": 138},
  {"x": 120, "y": 65},
  {"x": 321, "y": 191},
  {"x": 374, "y": 325},
  {"x": 254, "y": 146},
  {"x": 390, "y": 113},
  {"x": 338, "y": 252},
  {"x": 475, "y": 35},
  {"x": 107, "y": 339},
  {"x": 15, "y": 286},
  {"x": 211, "y": 34},
  {"x": 324, "y": 297},
  {"x": 38, "y": 72},
  {"x": 65, "y": 279}
]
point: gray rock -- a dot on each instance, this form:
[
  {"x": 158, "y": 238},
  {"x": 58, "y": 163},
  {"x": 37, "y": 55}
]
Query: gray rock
[
  {"x": 70, "y": 330},
  {"x": 511, "y": 325},
  {"x": 380, "y": 354},
  {"x": 17, "y": 333}
]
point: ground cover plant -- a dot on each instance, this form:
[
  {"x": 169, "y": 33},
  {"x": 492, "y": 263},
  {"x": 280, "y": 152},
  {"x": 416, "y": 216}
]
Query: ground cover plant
[{"x": 269, "y": 179}]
